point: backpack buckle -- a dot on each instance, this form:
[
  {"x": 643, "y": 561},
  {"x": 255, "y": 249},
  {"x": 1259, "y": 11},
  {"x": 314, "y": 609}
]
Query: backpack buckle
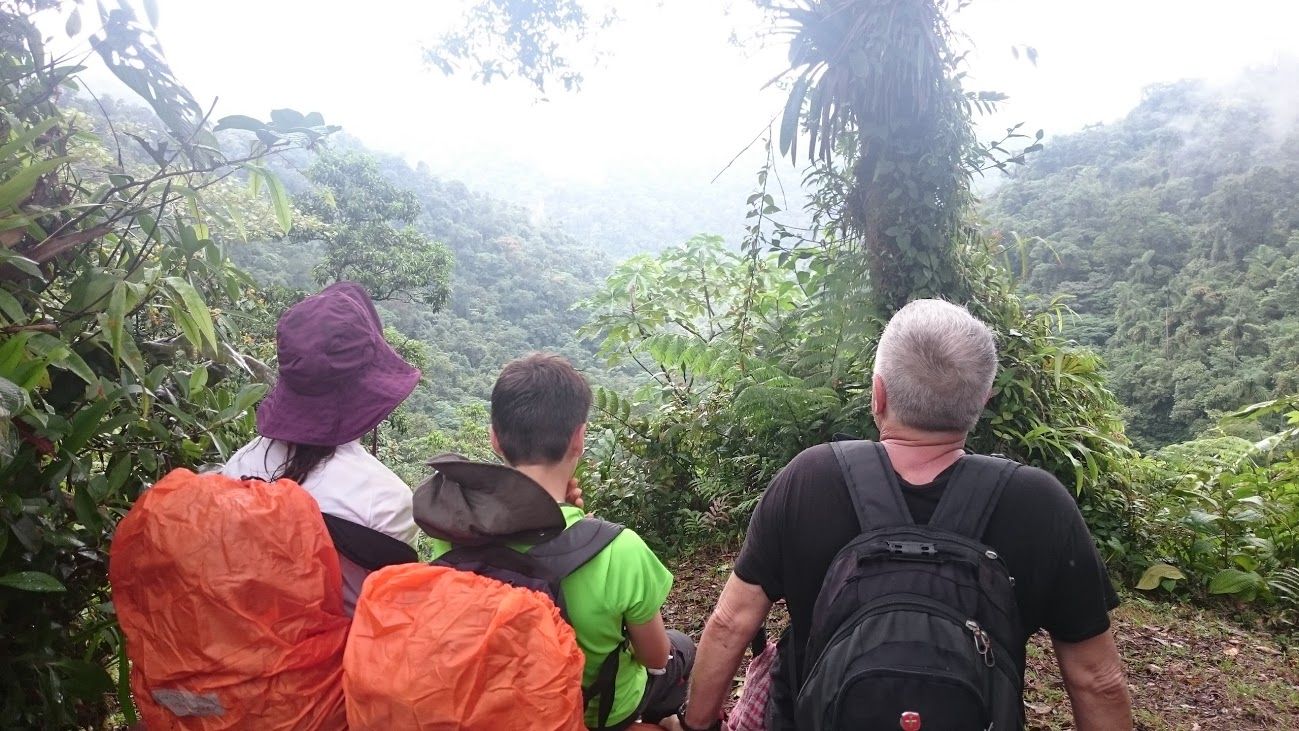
[{"x": 912, "y": 548}]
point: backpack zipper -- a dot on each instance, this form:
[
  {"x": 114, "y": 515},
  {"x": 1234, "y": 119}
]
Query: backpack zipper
[{"x": 982, "y": 643}]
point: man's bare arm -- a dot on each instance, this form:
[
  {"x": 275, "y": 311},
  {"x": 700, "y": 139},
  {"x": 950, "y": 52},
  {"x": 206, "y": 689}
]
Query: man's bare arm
[
  {"x": 1098, "y": 690},
  {"x": 740, "y": 611},
  {"x": 649, "y": 642}
]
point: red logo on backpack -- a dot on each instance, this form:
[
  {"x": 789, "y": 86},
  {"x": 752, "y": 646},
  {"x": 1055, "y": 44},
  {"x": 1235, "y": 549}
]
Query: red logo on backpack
[{"x": 910, "y": 721}]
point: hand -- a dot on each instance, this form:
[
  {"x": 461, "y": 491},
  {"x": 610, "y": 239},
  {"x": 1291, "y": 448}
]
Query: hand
[
  {"x": 573, "y": 495},
  {"x": 671, "y": 723}
]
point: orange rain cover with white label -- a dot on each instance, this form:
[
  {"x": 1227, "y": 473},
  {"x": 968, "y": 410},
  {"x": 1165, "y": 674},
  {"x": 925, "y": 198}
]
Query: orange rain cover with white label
[
  {"x": 231, "y": 600},
  {"x": 435, "y": 649}
]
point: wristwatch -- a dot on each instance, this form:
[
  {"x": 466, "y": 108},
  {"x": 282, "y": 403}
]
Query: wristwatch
[{"x": 681, "y": 719}]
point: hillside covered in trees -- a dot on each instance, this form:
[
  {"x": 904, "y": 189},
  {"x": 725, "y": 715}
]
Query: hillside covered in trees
[
  {"x": 511, "y": 282},
  {"x": 1174, "y": 236}
]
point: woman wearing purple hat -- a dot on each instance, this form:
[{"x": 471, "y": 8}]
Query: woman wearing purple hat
[{"x": 338, "y": 379}]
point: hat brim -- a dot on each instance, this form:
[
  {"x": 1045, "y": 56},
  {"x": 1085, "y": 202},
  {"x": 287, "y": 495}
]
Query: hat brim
[
  {"x": 342, "y": 414},
  {"x": 478, "y": 503}
]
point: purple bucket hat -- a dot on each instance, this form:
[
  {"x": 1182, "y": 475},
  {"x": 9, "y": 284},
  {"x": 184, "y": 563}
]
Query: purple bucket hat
[{"x": 338, "y": 377}]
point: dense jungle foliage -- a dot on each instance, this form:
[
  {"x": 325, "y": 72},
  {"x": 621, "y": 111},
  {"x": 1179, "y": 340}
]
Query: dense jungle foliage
[
  {"x": 1174, "y": 236},
  {"x": 121, "y": 354},
  {"x": 145, "y": 255}
]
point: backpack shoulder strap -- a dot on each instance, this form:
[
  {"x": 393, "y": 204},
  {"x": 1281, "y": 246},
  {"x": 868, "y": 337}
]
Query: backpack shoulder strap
[
  {"x": 564, "y": 554},
  {"x": 367, "y": 547},
  {"x": 972, "y": 494},
  {"x": 572, "y": 549},
  {"x": 872, "y": 485}
]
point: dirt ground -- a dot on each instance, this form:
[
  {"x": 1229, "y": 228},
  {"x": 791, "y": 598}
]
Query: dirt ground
[{"x": 1188, "y": 669}]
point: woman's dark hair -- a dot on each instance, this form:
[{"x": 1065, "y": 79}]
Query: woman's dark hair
[{"x": 302, "y": 459}]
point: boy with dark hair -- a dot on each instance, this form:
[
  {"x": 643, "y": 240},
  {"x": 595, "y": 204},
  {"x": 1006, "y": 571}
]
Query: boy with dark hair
[{"x": 539, "y": 411}]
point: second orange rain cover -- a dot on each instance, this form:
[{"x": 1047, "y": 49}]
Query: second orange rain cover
[{"x": 436, "y": 648}]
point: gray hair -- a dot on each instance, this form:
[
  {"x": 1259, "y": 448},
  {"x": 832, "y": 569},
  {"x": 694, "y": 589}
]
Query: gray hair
[{"x": 937, "y": 362}]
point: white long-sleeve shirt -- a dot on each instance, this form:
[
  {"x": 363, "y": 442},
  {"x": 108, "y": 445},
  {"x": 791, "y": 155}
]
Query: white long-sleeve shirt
[{"x": 351, "y": 485}]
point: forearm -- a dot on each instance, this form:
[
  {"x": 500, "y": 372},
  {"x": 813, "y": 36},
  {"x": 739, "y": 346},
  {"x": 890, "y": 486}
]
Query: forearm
[
  {"x": 721, "y": 647},
  {"x": 740, "y": 612},
  {"x": 1102, "y": 711},
  {"x": 1098, "y": 689}
]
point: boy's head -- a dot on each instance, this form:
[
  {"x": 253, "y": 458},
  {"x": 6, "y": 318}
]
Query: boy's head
[{"x": 539, "y": 409}]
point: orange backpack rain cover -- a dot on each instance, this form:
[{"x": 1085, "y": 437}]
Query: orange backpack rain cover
[
  {"x": 230, "y": 597},
  {"x": 434, "y": 648}
]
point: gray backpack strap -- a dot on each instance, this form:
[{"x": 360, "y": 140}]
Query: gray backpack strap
[
  {"x": 572, "y": 549},
  {"x": 972, "y": 494},
  {"x": 872, "y": 485},
  {"x": 561, "y": 556}
]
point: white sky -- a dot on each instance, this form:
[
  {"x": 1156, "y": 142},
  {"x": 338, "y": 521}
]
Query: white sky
[{"x": 672, "y": 96}]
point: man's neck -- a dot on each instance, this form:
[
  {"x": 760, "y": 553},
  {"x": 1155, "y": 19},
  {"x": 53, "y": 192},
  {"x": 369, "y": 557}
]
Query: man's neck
[
  {"x": 553, "y": 477},
  {"x": 917, "y": 456}
]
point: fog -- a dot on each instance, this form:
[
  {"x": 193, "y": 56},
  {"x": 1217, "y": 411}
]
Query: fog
[{"x": 669, "y": 99}]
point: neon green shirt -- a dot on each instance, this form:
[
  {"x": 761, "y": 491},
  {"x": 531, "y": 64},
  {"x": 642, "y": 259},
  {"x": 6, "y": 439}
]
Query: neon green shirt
[{"x": 625, "y": 582}]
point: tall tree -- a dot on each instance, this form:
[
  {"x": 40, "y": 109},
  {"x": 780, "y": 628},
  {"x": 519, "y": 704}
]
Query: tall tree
[
  {"x": 365, "y": 226},
  {"x": 877, "y": 93}
]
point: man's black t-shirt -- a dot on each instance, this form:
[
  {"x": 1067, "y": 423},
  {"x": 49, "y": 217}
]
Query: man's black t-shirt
[{"x": 806, "y": 516}]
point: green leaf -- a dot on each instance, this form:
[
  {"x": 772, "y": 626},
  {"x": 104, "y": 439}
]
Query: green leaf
[
  {"x": 11, "y": 308},
  {"x": 789, "y": 122},
  {"x": 1157, "y": 573},
  {"x": 279, "y": 200},
  {"x": 15, "y": 190},
  {"x": 84, "y": 678},
  {"x": 73, "y": 25},
  {"x": 195, "y": 309},
  {"x": 118, "y": 475},
  {"x": 197, "y": 380},
  {"x": 247, "y": 396},
  {"x": 32, "y": 581},
  {"x": 116, "y": 319},
  {"x": 288, "y": 118},
  {"x": 1234, "y": 581},
  {"x": 13, "y": 399},
  {"x": 73, "y": 361},
  {"x": 240, "y": 121},
  {"x": 13, "y": 352},
  {"x": 22, "y": 264},
  {"x": 26, "y": 137},
  {"x": 85, "y": 425},
  {"x": 130, "y": 355},
  {"x": 83, "y": 504},
  {"x": 125, "y": 701}
]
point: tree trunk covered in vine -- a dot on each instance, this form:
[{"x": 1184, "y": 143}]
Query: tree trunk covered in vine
[{"x": 878, "y": 95}]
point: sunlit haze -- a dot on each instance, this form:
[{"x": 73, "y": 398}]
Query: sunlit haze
[{"x": 671, "y": 95}]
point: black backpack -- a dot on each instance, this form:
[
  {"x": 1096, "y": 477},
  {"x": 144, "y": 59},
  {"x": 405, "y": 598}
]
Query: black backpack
[
  {"x": 915, "y": 626},
  {"x": 542, "y": 569}
]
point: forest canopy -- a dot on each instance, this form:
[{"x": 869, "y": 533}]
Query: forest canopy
[{"x": 1174, "y": 236}]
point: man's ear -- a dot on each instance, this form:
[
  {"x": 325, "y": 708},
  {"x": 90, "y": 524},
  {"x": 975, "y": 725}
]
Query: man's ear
[
  {"x": 577, "y": 443},
  {"x": 496, "y": 443},
  {"x": 879, "y": 396}
]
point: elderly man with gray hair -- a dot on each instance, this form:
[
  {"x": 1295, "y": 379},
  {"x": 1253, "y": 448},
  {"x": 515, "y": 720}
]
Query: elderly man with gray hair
[{"x": 915, "y": 573}]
